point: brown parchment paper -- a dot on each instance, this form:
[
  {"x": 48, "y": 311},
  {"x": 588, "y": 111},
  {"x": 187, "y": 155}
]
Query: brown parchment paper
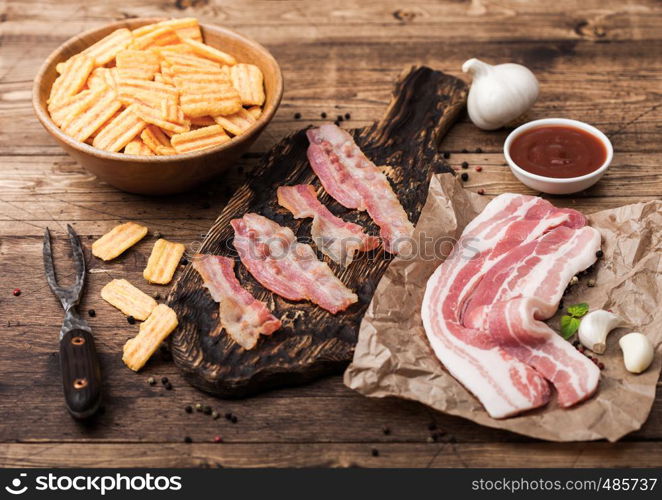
[{"x": 393, "y": 358}]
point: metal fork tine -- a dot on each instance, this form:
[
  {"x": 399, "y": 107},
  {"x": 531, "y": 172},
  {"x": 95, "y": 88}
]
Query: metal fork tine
[
  {"x": 79, "y": 262},
  {"x": 48, "y": 263}
]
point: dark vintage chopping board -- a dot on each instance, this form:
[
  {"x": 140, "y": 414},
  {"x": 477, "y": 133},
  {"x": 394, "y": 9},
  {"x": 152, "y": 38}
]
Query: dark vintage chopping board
[{"x": 312, "y": 342}]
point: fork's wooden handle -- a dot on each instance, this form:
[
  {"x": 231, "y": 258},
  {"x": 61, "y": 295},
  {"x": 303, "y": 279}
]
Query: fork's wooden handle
[{"x": 81, "y": 373}]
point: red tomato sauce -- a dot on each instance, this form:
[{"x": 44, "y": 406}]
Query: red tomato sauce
[{"x": 558, "y": 151}]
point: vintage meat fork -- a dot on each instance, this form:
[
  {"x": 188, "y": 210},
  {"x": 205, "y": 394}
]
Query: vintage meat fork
[{"x": 79, "y": 364}]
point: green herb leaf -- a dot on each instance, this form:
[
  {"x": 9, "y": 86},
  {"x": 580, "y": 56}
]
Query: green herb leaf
[
  {"x": 578, "y": 310},
  {"x": 569, "y": 326}
]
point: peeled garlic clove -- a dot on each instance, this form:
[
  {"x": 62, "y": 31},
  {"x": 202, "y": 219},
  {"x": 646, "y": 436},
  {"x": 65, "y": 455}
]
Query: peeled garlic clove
[
  {"x": 595, "y": 327},
  {"x": 499, "y": 94},
  {"x": 638, "y": 352}
]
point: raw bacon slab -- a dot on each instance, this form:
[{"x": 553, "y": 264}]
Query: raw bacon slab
[
  {"x": 484, "y": 307},
  {"x": 242, "y": 316},
  {"x": 337, "y": 239},
  {"x": 355, "y": 182},
  {"x": 291, "y": 269}
]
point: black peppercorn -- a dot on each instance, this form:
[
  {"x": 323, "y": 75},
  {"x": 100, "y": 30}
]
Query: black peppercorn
[
  {"x": 228, "y": 416},
  {"x": 465, "y": 177},
  {"x": 599, "y": 254},
  {"x": 465, "y": 164},
  {"x": 131, "y": 320},
  {"x": 347, "y": 116},
  {"x": 479, "y": 150},
  {"x": 207, "y": 410},
  {"x": 168, "y": 386},
  {"x": 323, "y": 114},
  {"x": 234, "y": 419},
  {"x": 187, "y": 439},
  {"x": 297, "y": 116},
  {"x": 447, "y": 155},
  {"x": 432, "y": 426},
  {"x": 375, "y": 452},
  {"x": 183, "y": 261},
  {"x": 164, "y": 380},
  {"x": 339, "y": 118},
  {"x": 386, "y": 431},
  {"x": 188, "y": 409},
  {"x": 91, "y": 313}
]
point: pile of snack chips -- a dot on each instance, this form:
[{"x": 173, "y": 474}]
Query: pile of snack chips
[
  {"x": 159, "y": 319},
  {"x": 156, "y": 90}
]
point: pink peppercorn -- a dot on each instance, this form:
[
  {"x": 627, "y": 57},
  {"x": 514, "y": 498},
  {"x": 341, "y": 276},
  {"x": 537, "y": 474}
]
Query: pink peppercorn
[{"x": 16, "y": 292}]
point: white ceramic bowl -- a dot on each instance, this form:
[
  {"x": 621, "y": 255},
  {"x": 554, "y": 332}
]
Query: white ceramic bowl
[{"x": 551, "y": 185}]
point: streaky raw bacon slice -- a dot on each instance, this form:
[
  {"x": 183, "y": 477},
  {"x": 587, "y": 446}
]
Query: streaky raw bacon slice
[
  {"x": 484, "y": 307},
  {"x": 335, "y": 238},
  {"x": 355, "y": 182},
  {"x": 291, "y": 269},
  {"x": 242, "y": 316}
]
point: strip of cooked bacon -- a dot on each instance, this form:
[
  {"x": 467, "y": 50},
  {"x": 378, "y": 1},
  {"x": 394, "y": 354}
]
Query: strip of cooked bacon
[
  {"x": 356, "y": 182},
  {"x": 242, "y": 315},
  {"x": 335, "y": 238},
  {"x": 291, "y": 269}
]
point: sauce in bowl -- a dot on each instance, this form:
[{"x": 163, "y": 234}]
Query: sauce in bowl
[{"x": 558, "y": 151}]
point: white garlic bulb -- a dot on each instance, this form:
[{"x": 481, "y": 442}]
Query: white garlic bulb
[
  {"x": 595, "y": 327},
  {"x": 638, "y": 352},
  {"x": 499, "y": 94}
]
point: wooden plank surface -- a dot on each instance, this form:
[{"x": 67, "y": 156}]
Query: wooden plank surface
[{"x": 597, "y": 62}]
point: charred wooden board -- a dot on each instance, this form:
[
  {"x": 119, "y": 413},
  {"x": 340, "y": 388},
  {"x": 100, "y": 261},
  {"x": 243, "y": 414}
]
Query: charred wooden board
[{"x": 312, "y": 342}]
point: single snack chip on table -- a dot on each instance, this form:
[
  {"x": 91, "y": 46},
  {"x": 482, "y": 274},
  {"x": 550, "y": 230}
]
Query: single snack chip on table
[
  {"x": 163, "y": 261},
  {"x": 160, "y": 323},
  {"x": 127, "y": 298},
  {"x": 117, "y": 240}
]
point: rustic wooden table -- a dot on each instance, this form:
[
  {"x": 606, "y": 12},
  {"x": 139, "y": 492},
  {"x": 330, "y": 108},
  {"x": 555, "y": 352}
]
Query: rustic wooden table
[{"x": 599, "y": 62}]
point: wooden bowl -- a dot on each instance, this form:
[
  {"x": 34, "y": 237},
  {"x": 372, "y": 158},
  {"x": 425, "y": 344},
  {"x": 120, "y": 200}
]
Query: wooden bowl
[{"x": 160, "y": 175}]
